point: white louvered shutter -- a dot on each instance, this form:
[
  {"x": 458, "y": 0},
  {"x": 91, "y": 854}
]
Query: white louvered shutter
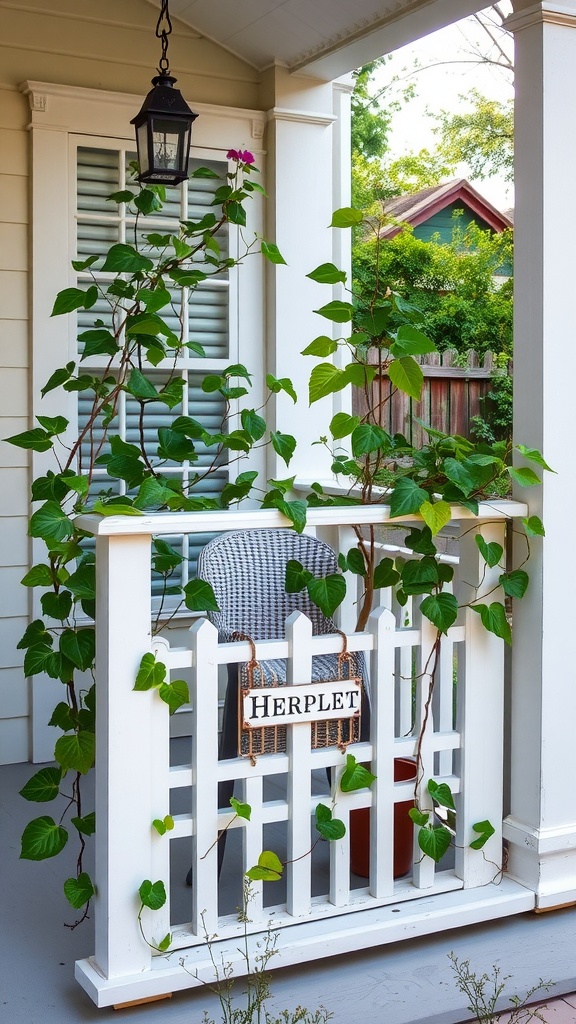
[{"x": 100, "y": 224}]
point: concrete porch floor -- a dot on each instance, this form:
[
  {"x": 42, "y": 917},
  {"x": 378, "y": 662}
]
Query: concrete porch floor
[{"x": 406, "y": 983}]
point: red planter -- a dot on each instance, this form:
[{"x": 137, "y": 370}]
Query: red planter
[{"x": 404, "y": 770}]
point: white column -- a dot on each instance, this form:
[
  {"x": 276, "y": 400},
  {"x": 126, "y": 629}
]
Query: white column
[
  {"x": 480, "y": 714},
  {"x": 341, "y": 196},
  {"x": 50, "y": 247},
  {"x": 541, "y": 827},
  {"x": 301, "y": 162},
  {"x": 125, "y": 755}
]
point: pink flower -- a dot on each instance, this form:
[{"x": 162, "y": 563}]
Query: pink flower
[{"x": 242, "y": 156}]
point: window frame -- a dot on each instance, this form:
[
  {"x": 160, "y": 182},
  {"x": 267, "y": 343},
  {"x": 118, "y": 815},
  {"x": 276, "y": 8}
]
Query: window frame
[
  {"x": 59, "y": 113},
  {"x": 65, "y": 118}
]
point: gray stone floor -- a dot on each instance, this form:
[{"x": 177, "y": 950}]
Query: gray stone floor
[{"x": 405, "y": 983}]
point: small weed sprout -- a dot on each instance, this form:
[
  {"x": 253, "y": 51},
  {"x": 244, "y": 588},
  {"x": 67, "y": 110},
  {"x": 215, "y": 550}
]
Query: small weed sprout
[
  {"x": 256, "y": 992},
  {"x": 484, "y": 990}
]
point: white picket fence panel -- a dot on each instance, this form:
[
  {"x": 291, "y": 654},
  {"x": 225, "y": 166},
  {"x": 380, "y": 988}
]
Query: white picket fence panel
[{"x": 462, "y": 745}]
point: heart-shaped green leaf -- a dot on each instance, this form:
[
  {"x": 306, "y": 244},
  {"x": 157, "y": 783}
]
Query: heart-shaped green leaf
[
  {"x": 163, "y": 825},
  {"x": 491, "y": 551},
  {"x": 85, "y": 825},
  {"x": 441, "y": 609},
  {"x": 534, "y": 526},
  {"x": 242, "y": 810},
  {"x": 406, "y": 497},
  {"x": 385, "y": 575},
  {"x": 296, "y": 577},
  {"x": 407, "y": 376},
  {"x": 327, "y": 593},
  {"x": 199, "y": 596},
  {"x": 36, "y": 440},
  {"x": 79, "y": 646},
  {"x": 268, "y": 869},
  {"x": 411, "y": 342},
  {"x": 494, "y": 619},
  {"x": 337, "y": 311},
  {"x": 419, "y": 817},
  {"x": 327, "y": 273},
  {"x": 325, "y": 379},
  {"x": 151, "y": 673},
  {"x": 283, "y": 444},
  {"x": 43, "y": 786},
  {"x": 355, "y": 776},
  {"x": 76, "y": 751},
  {"x": 515, "y": 583},
  {"x": 70, "y": 299},
  {"x": 152, "y": 894},
  {"x": 441, "y": 794},
  {"x": 523, "y": 475},
  {"x": 534, "y": 456},
  {"x": 355, "y": 562},
  {"x": 322, "y": 346},
  {"x": 51, "y": 523},
  {"x": 329, "y": 828},
  {"x": 343, "y": 424},
  {"x": 125, "y": 259},
  {"x": 485, "y": 830},
  {"x": 346, "y": 217},
  {"x": 78, "y": 891},
  {"x": 271, "y": 251},
  {"x": 42, "y": 838},
  {"x": 434, "y": 841},
  {"x": 436, "y": 515},
  {"x": 174, "y": 694}
]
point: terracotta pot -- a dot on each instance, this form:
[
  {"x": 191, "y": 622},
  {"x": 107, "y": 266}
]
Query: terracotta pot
[{"x": 404, "y": 770}]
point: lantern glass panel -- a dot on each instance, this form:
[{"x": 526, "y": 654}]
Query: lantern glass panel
[
  {"x": 170, "y": 143},
  {"x": 142, "y": 143},
  {"x": 166, "y": 143}
]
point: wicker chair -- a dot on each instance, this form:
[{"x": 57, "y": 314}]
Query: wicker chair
[{"x": 246, "y": 570}]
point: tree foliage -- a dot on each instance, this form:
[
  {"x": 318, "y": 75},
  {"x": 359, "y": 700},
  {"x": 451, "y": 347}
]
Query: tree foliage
[
  {"x": 482, "y": 136},
  {"x": 371, "y": 126},
  {"x": 452, "y": 284},
  {"x": 370, "y": 122}
]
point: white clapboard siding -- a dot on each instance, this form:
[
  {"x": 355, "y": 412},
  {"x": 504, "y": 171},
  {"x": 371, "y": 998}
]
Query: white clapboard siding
[{"x": 345, "y": 917}]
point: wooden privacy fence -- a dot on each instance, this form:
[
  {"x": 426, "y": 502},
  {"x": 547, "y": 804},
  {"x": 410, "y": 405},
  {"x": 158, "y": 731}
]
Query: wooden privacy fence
[
  {"x": 452, "y": 395},
  {"x": 137, "y": 783}
]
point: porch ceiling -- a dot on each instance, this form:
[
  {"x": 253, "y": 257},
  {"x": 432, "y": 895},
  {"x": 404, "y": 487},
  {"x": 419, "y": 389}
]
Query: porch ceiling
[{"x": 322, "y": 38}]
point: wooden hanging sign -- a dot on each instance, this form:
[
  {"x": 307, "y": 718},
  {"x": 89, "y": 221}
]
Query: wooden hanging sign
[
  {"x": 332, "y": 707},
  {"x": 307, "y": 702}
]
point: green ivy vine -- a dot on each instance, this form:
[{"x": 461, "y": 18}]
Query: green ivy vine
[{"x": 136, "y": 283}]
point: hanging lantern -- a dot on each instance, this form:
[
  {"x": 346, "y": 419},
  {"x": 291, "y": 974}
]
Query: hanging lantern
[{"x": 164, "y": 123}]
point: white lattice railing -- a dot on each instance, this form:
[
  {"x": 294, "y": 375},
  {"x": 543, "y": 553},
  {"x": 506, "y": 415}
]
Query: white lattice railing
[{"x": 135, "y": 783}]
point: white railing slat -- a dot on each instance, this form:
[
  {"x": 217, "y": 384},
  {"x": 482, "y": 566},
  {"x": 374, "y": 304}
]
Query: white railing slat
[
  {"x": 204, "y": 637},
  {"x": 480, "y": 719},
  {"x": 382, "y": 624},
  {"x": 253, "y": 839},
  {"x": 299, "y": 670},
  {"x": 424, "y": 867}
]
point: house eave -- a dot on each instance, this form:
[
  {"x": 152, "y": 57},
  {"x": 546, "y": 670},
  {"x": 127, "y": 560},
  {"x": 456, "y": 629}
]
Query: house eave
[{"x": 452, "y": 192}]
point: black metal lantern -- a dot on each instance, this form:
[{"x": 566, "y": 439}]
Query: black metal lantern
[{"x": 164, "y": 123}]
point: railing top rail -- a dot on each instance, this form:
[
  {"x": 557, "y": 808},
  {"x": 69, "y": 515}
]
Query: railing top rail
[{"x": 163, "y": 523}]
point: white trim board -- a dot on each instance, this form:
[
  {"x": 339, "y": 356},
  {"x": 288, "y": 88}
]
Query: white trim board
[{"x": 384, "y": 925}]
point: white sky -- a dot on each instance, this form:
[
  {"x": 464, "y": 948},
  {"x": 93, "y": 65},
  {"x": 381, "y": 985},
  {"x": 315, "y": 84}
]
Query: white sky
[{"x": 441, "y": 86}]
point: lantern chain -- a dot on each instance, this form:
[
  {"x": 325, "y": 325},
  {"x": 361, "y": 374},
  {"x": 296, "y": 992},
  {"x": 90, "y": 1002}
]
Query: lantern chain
[{"x": 163, "y": 30}]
